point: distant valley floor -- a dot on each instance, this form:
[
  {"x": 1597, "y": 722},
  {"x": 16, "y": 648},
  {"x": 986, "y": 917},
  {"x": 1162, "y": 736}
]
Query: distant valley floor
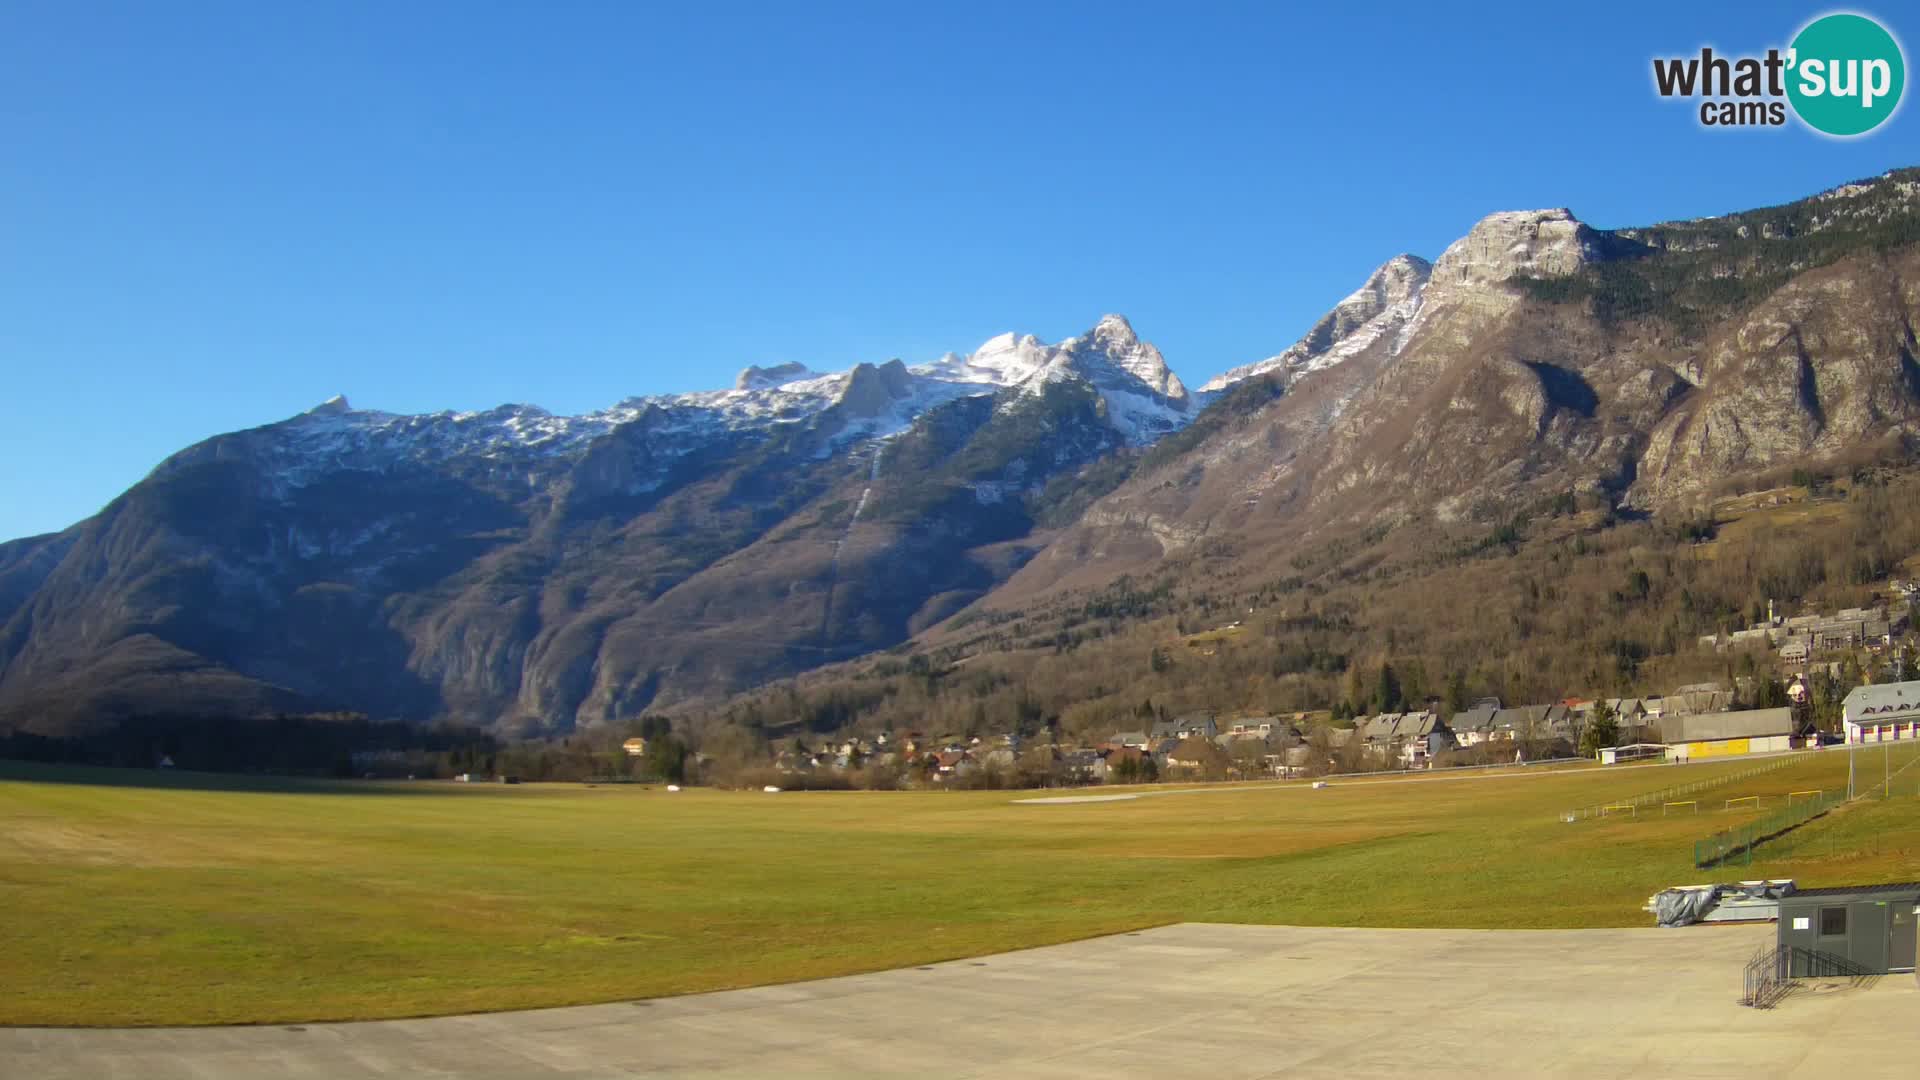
[{"x": 1186, "y": 1000}]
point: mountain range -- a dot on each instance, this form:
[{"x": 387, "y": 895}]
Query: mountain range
[{"x": 539, "y": 573}]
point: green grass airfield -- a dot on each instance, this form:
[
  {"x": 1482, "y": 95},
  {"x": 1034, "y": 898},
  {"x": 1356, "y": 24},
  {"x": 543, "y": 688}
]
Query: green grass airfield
[{"x": 136, "y": 898}]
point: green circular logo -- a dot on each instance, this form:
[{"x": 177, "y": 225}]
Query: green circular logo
[{"x": 1846, "y": 74}]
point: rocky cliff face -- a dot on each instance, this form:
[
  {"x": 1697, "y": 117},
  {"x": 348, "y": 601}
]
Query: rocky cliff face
[
  {"x": 1541, "y": 243},
  {"x": 1642, "y": 366},
  {"x": 1825, "y": 367}
]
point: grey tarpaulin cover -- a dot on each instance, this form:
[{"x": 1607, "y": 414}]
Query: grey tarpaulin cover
[{"x": 1683, "y": 907}]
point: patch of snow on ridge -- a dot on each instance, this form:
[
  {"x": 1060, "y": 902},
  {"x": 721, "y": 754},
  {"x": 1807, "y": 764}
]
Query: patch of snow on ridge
[
  {"x": 1388, "y": 302},
  {"x": 1002, "y": 361},
  {"x": 1145, "y": 398}
]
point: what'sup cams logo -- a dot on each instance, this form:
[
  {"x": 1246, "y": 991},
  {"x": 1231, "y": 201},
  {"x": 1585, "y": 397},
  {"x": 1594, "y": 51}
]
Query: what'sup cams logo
[{"x": 1842, "y": 76}]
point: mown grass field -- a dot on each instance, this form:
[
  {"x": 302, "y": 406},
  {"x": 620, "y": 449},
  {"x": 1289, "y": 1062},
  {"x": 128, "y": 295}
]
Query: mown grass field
[{"x": 201, "y": 901}]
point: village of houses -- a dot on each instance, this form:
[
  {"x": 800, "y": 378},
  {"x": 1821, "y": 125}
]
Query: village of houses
[{"x": 1687, "y": 723}]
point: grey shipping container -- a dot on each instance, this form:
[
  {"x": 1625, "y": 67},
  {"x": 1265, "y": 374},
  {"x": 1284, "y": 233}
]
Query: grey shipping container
[{"x": 1865, "y": 930}]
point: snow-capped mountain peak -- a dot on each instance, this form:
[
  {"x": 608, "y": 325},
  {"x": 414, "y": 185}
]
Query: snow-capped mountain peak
[
  {"x": 1002, "y": 361},
  {"x": 1144, "y": 400},
  {"x": 1385, "y": 304},
  {"x": 1113, "y": 338}
]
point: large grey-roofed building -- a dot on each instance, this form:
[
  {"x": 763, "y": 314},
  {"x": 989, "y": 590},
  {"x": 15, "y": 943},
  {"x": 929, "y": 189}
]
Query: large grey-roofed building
[
  {"x": 1882, "y": 713},
  {"x": 1745, "y": 724},
  {"x": 1750, "y": 731}
]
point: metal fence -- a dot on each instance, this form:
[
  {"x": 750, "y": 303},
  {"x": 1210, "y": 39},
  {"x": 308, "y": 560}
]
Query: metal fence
[
  {"x": 1671, "y": 794},
  {"x": 1739, "y": 842},
  {"x": 1860, "y": 784},
  {"x": 1765, "y": 980},
  {"x": 1769, "y": 975}
]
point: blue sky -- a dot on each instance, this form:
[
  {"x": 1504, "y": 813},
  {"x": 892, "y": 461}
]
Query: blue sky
[{"x": 216, "y": 215}]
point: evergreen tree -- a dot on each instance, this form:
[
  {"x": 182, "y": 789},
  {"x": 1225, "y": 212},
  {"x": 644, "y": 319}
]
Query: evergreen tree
[
  {"x": 1386, "y": 690},
  {"x": 667, "y": 759},
  {"x": 1456, "y": 695},
  {"x": 1771, "y": 694},
  {"x": 1603, "y": 729}
]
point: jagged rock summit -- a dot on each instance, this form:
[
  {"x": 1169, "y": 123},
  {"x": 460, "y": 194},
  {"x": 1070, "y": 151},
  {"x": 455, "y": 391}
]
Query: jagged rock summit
[
  {"x": 767, "y": 378},
  {"x": 1145, "y": 400},
  {"x": 1385, "y": 304},
  {"x": 1541, "y": 243}
]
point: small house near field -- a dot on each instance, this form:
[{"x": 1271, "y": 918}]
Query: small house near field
[
  {"x": 1195, "y": 724},
  {"x": 1261, "y": 726},
  {"x": 1521, "y": 723},
  {"x": 1413, "y": 739},
  {"x": 635, "y": 747},
  {"x": 1473, "y": 726},
  {"x": 1627, "y": 711},
  {"x": 1702, "y": 697},
  {"x": 952, "y": 763},
  {"x": 1559, "y": 722},
  {"x": 1084, "y": 766},
  {"x": 1376, "y": 732},
  {"x": 1422, "y": 738},
  {"x": 1196, "y": 755}
]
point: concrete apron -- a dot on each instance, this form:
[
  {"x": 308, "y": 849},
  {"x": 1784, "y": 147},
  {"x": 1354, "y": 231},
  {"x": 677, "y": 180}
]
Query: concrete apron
[{"x": 1188, "y": 1000}]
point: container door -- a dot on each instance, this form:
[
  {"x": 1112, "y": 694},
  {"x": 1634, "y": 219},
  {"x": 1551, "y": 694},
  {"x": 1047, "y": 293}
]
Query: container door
[
  {"x": 1872, "y": 933},
  {"x": 1900, "y": 949}
]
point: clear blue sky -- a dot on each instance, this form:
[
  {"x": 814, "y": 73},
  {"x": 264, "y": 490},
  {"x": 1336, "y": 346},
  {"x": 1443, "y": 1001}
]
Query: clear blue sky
[{"x": 216, "y": 215}]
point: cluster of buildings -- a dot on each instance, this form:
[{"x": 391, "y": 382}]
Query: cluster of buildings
[
  {"x": 1193, "y": 745},
  {"x": 1414, "y": 739},
  {"x": 1799, "y": 637},
  {"x": 1690, "y": 723},
  {"x": 884, "y": 748},
  {"x": 942, "y": 761},
  {"x": 1693, "y": 721}
]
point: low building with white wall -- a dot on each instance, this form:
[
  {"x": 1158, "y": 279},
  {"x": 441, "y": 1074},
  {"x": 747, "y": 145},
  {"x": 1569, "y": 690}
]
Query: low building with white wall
[{"x": 1727, "y": 734}]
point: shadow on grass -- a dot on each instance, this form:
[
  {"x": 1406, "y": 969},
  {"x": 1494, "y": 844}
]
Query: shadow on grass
[{"x": 187, "y": 780}]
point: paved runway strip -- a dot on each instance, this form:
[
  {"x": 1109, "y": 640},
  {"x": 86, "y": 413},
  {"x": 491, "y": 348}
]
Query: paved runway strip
[{"x": 1187, "y": 1000}]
